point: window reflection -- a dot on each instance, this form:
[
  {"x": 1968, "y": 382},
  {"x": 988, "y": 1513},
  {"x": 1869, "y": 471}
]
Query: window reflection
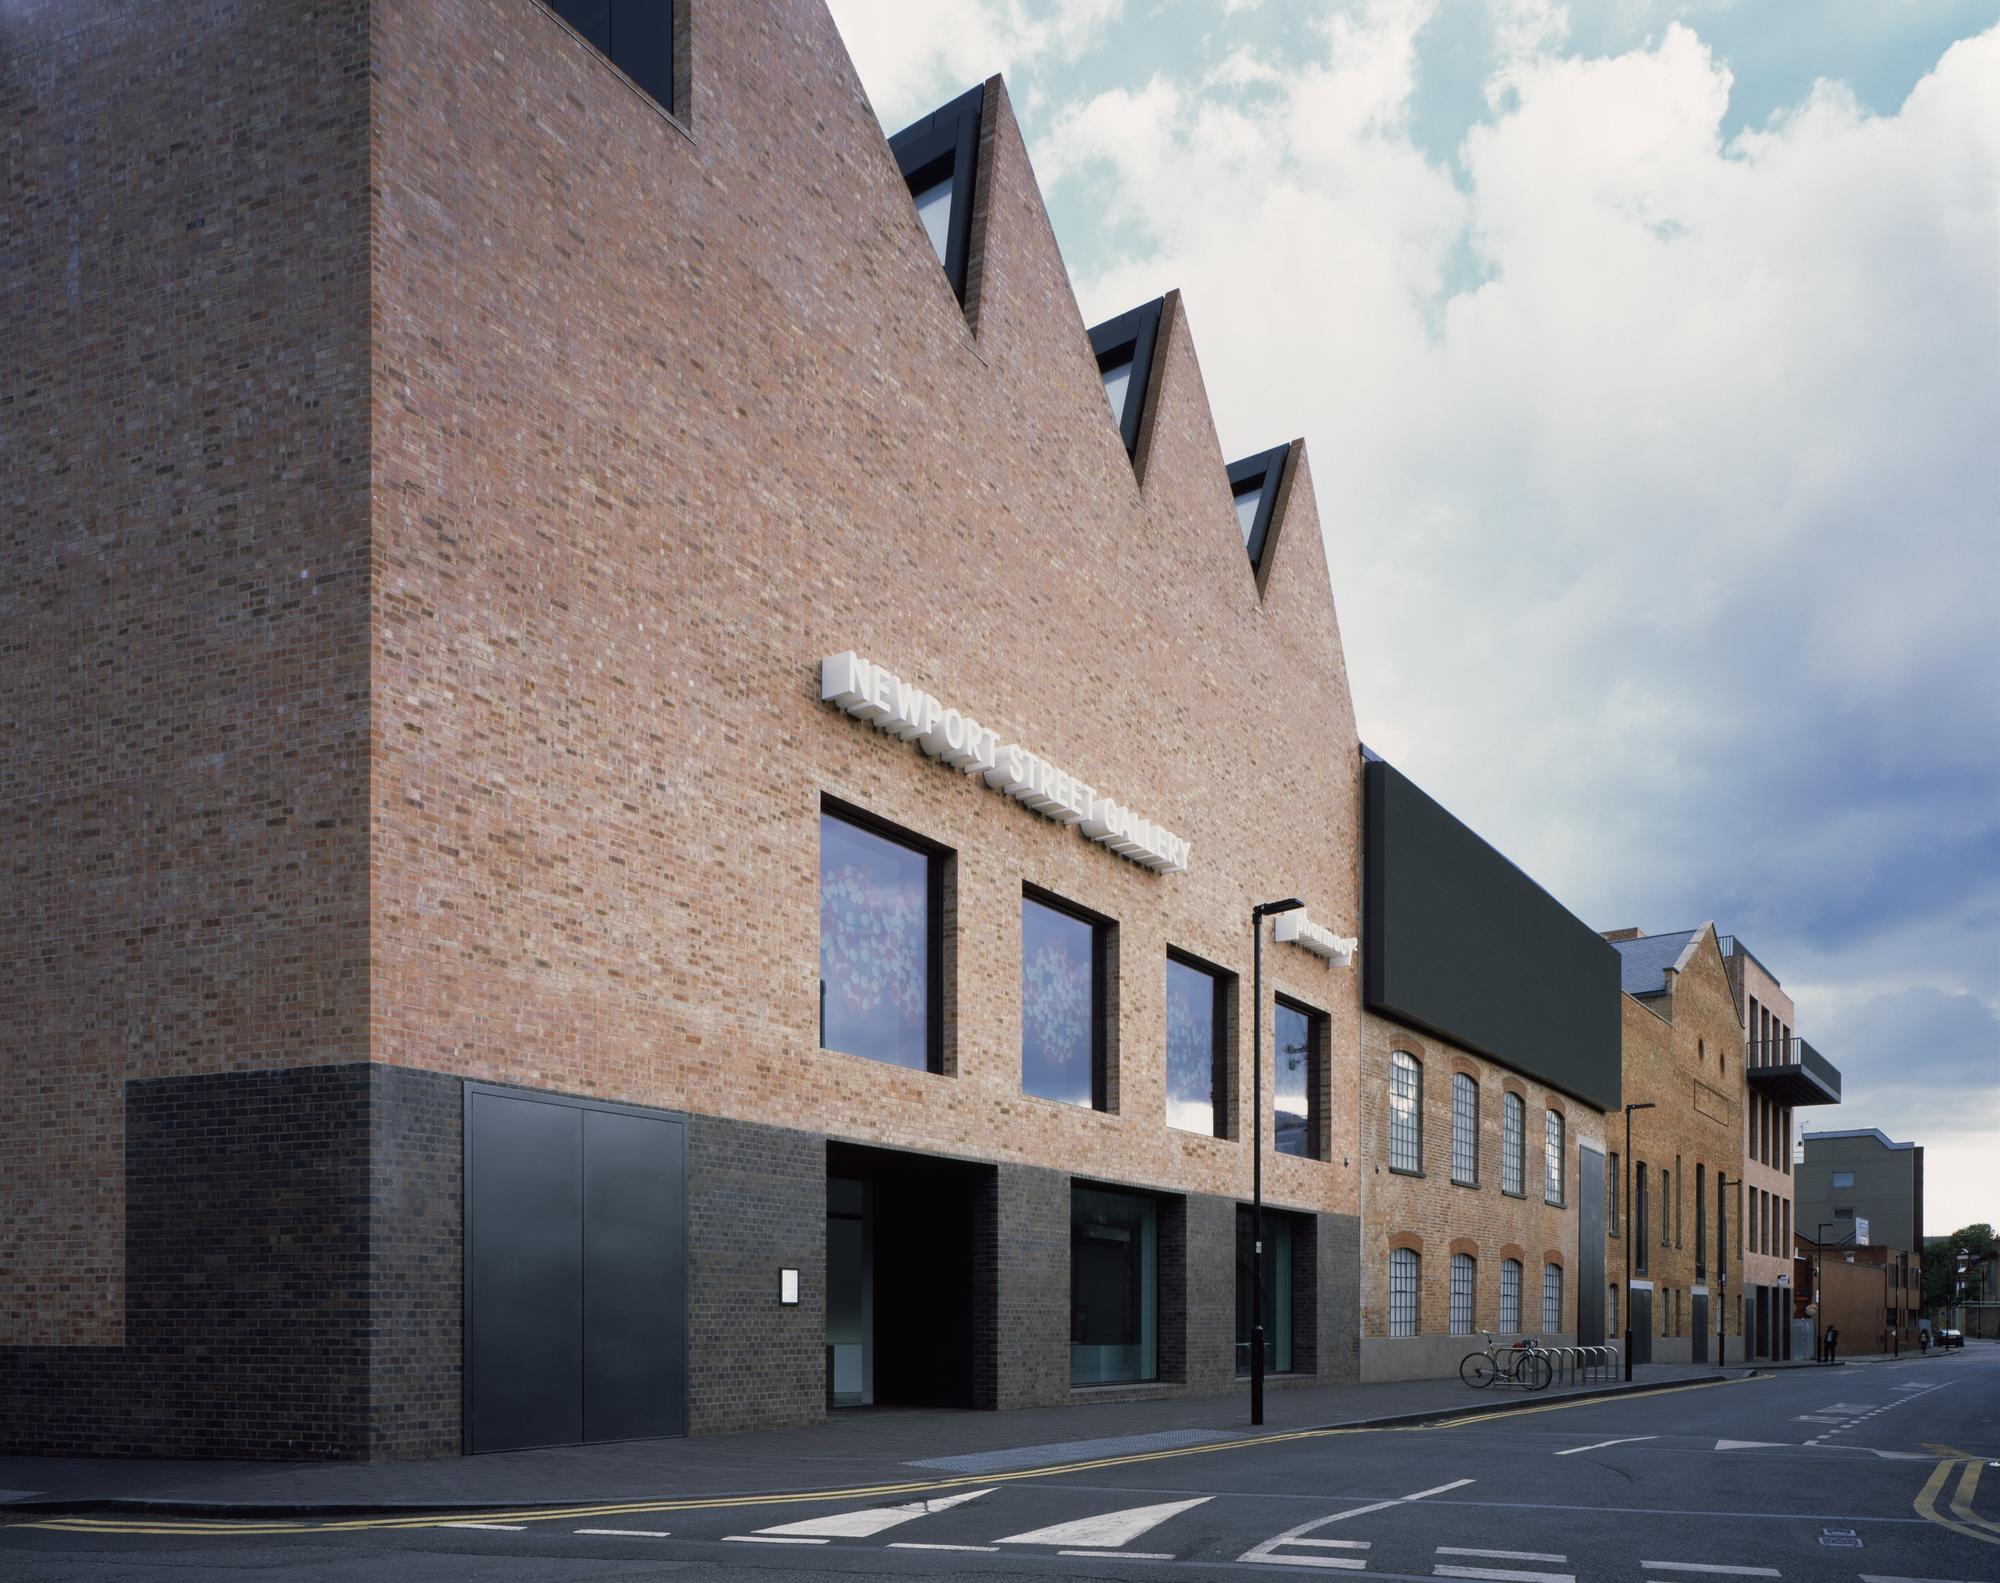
[
  {"x": 1292, "y": 1088},
  {"x": 875, "y": 962},
  {"x": 1114, "y": 1287},
  {"x": 1194, "y": 1030},
  {"x": 1059, "y": 1046}
]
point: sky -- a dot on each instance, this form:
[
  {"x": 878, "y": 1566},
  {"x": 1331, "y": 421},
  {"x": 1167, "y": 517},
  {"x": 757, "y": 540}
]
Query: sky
[{"x": 1649, "y": 356}]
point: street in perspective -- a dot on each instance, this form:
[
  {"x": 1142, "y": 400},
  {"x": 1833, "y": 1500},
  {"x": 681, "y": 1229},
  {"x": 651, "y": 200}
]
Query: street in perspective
[{"x": 848, "y": 787}]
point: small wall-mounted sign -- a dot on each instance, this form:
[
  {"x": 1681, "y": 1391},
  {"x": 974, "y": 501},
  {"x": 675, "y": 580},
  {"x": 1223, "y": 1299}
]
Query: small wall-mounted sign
[
  {"x": 788, "y": 1288},
  {"x": 1295, "y": 928}
]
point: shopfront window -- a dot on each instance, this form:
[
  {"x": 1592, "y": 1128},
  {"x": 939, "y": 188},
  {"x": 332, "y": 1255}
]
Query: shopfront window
[
  {"x": 878, "y": 944},
  {"x": 1062, "y": 1005},
  {"x": 1194, "y": 1048},
  {"x": 1114, "y": 1287},
  {"x": 1295, "y": 1090},
  {"x": 1277, "y": 1291}
]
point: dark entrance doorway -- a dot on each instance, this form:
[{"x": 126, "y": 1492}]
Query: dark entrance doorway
[
  {"x": 1642, "y": 1324},
  {"x": 902, "y": 1289},
  {"x": 575, "y": 1271},
  {"x": 1698, "y": 1308}
]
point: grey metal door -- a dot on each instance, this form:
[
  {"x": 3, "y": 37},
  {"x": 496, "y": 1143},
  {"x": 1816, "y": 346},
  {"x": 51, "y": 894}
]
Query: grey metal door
[
  {"x": 1642, "y": 1324},
  {"x": 1698, "y": 1305},
  {"x": 575, "y": 1271},
  {"x": 1589, "y": 1248}
]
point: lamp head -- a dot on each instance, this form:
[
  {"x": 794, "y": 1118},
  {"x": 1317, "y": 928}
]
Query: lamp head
[
  {"x": 1264, "y": 909},
  {"x": 1646, "y": 1105}
]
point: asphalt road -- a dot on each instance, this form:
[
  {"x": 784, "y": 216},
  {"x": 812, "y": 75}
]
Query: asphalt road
[{"x": 1872, "y": 1473}]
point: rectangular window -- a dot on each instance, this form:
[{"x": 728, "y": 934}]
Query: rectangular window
[
  {"x": 1700, "y": 1221},
  {"x": 1552, "y": 1299},
  {"x": 1464, "y": 1130},
  {"x": 1552, "y": 1141},
  {"x": 1639, "y": 1214},
  {"x": 1114, "y": 1286},
  {"x": 1785, "y": 1235},
  {"x": 1678, "y": 1176},
  {"x": 1510, "y": 1296},
  {"x": 1197, "y": 1049},
  {"x": 1278, "y": 1262},
  {"x": 1063, "y": 978},
  {"x": 1402, "y": 1291},
  {"x": 1611, "y": 1199},
  {"x": 1301, "y": 1036},
  {"x": 636, "y": 36},
  {"x": 880, "y": 943},
  {"x": 1666, "y": 1207},
  {"x": 1406, "y": 1126},
  {"x": 1843, "y": 1178},
  {"x": 1463, "y": 1278},
  {"x": 1611, "y": 1308},
  {"x": 1513, "y": 1145}
]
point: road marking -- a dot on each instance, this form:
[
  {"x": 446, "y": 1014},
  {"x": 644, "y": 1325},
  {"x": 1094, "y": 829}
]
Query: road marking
[
  {"x": 1961, "y": 1503},
  {"x": 769, "y": 1539},
  {"x": 1600, "y": 1445},
  {"x": 911, "y": 1544},
  {"x": 628, "y": 1533},
  {"x": 1108, "y": 1530},
  {"x": 1501, "y": 1555},
  {"x": 1497, "y": 1575},
  {"x": 1337, "y": 1544},
  {"x": 872, "y": 1520},
  {"x": 492, "y": 1528},
  {"x": 1296, "y": 1537},
  {"x": 1926, "y": 1504},
  {"x": 1877, "y": 1577},
  {"x": 1703, "y": 1566},
  {"x": 1123, "y": 1555},
  {"x": 1747, "y": 1445}
]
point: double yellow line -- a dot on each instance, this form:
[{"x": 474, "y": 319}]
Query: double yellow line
[
  {"x": 196, "y": 1527},
  {"x": 1968, "y": 1522}
]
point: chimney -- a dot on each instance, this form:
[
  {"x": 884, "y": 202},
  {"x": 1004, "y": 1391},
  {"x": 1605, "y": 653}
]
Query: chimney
[{"x": 1615, "y": 935}]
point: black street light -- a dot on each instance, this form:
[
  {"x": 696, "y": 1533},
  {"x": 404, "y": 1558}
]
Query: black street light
[
  {"x": 1722, "y": 1272},
  {"x": 1258, "y": 914},
  {"x": 1627, "y": 1184}
]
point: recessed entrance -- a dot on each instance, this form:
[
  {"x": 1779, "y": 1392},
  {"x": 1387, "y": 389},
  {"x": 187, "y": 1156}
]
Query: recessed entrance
[{"x": 901, "y": 1230}]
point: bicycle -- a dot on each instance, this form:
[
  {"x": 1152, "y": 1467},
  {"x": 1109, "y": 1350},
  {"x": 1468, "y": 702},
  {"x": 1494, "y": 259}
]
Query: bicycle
[{"x": 1523, "y": 1364}]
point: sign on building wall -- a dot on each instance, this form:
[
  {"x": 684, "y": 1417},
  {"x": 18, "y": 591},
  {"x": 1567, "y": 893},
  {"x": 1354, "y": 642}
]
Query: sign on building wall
[{"x": 876, "y": 694}]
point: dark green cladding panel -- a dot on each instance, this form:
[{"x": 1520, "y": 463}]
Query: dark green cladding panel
[{"x": 1458, "y": 941}]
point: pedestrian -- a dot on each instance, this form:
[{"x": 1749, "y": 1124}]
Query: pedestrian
[
  {"x": 1832, "y": 1341},
  {"x": 1924, "y": 1341}
]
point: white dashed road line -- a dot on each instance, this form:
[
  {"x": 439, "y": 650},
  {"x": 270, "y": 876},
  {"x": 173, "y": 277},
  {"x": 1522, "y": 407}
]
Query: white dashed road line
[
  {"x": 627, "y": 1533},
  {"x": 911, "y": 1544},
  {"x": 491, "y": 1528},
  {"x": 1501, "y": 1555},
  {"x": 1704, "y": 1566},
  {"x": 1627, "y": 1441},
  {"x": 1499, "y": 1575},
  {"x": 769, "y": 1539},
  {"x": 1122, "y": 1555}
]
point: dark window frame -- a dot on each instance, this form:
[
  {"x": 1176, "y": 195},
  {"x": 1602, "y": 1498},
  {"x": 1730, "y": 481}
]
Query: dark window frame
[
  {"x": 1101, "y": 929},
  {"x": 1417, "y": 1064},
  {"x": 943, "y": 144},
  {"x": 665, "y": 23},
  {"x": 1265, "y": 471},
  {"x": 1223, "y": 1086},
  {"x": 1319, "y": 1059},
  {"x": 1130, "y": 338},
  {"x": 936, "y": 855},
  {"x": 1639, "y": 1222}
]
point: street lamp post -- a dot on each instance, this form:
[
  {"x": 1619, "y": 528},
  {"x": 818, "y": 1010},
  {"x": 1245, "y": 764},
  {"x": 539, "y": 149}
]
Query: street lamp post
[
  {"x": 1722, "y": 1272},
  {"x": 1258, "y": 914},
  {"x": 1819, "y": 1288},
  {"x": 1627, "y": 1185}
]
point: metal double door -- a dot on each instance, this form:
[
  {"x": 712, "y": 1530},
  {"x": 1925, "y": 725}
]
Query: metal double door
[{"x": 575, "y": 1271}]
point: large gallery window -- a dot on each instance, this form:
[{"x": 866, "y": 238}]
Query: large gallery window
[
  {"x": 1197, "y": 1048},
  {"x": 1063, "y": 974},
  {"x": 1114, "y": 1283},
  {"x": 880, "y": 942},
  {"x": 1406, "y": 1094},
  {"x": 1464, "y": 1130},
  {"x": 1300, "y": 1036}
]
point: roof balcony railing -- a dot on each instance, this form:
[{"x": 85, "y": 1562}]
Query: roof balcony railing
[{"x": 1790, "y": 1072}]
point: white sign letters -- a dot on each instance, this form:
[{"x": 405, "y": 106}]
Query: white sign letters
[
  {"x": 1296, "y": 928},
  {"x": 893, "y": 706}
]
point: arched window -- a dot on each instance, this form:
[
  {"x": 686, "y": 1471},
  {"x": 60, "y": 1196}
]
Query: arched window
[
  {"x": 1513, "y": 1145},
  {"x": 1403, "y": 1291},
  {"x": 1464, "y": 1130},
  {"x": 1464, "y": 1277},
  {"x": 1510, "y": 1295},
  {"x": 1552, "y": 1298},
  {"x": 1552, "y": 1175},
  {"x": 1406, "y": 1126}
]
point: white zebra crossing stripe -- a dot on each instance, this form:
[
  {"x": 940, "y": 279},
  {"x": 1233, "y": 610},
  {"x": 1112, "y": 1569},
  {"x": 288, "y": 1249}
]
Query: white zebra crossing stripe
[
  {"x": 1502, "y": 1575},
  {"x": 1703, "y": 1566},
  {"x": 1108, "y": 1531},
  {"x": 1501, "y": 1555},
  {"x": 628, "y": 1533},
  {"x": 870, "y": 1520}
]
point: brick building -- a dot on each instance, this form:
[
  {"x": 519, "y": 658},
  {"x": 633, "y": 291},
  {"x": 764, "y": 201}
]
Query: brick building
[
  {"x": 1872, "y": 1295},
  {"x": 1489, "y": 1056},
  {"x": 629, "y": 807},
  {"x": 1780, "y": 1071},
  {"x": 1674, "y": 1222}
]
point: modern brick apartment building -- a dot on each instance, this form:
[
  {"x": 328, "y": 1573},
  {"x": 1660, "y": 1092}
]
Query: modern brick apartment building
[
  {"x": 1780, "y": 1071},
  {"x": 1674, "y": 1222},
  {"x": 630, "y": 808},
  {"x": 1489, "y": 1056}
]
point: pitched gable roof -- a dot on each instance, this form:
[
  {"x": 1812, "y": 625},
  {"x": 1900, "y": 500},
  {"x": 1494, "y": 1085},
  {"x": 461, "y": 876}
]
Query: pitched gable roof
[{"x": 1643, "y": 963}]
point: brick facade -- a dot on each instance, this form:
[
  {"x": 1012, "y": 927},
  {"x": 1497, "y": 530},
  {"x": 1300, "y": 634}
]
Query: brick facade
[
  {"x": 1769, "y": 1221},
  {"x": 438, "y": 485},
  {"x": 1436, "y": 1217}
]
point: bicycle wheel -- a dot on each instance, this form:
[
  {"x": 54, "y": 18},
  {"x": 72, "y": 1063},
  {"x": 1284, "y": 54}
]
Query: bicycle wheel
[
  {"x": 1476, "y": 1369},
  {"x": 1535, "y": 1371}
]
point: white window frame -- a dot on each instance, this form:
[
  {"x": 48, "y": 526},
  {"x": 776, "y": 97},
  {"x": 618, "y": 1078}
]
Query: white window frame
[{"x": 1553, "y": 1143}]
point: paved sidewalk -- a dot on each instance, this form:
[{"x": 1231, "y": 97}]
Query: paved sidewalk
[{"x": 878, "y": 1446}]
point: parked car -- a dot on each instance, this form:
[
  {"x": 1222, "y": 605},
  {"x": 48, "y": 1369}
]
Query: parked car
[{"x": 1950, "y": 1338}]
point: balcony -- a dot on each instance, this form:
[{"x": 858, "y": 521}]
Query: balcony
[{"x": 1790, "y": 1072}]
